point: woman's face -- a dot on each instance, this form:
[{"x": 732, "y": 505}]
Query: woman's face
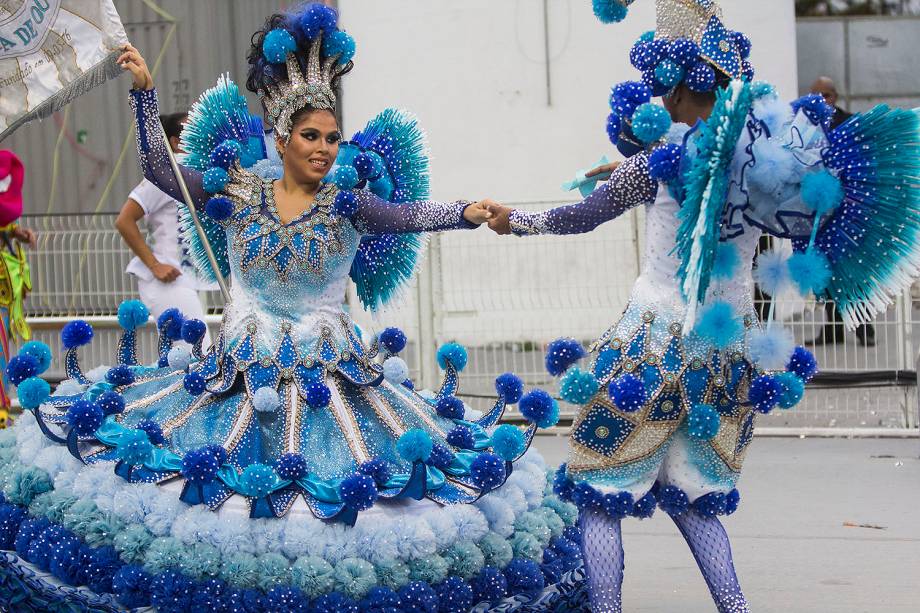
[{"x": 313, "y": 147}]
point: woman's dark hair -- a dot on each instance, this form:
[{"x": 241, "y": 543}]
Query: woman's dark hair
[{"x": 172, "y": 124}]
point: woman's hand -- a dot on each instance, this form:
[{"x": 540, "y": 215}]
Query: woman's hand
[
  {"x": 478, "y": 213},
  {"x": 501, "y": 218},
  {"x": 132, "y": 61},
  {"x": 602, "y": 172}
]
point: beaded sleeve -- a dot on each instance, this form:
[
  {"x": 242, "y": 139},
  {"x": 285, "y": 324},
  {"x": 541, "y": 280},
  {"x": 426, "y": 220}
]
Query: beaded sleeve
[
  {"x": 629, "y": 186},
  {"x": 152, "y": 154},
  {"x": 376, "y": 216}
]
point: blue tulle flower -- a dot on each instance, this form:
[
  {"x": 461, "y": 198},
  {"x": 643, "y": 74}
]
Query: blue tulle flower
[
  {"x": 345, "y": 177},
  {"x": 669, "y": 73},
  {"x": 771, "y": 348},
  {"x": 291, "y": 466},
  {"x": 803, "y": 363},
  {"x": 378, "y": 469},
  {"x": 609, "y": 11},
  {"x": 395, "y": 370},
  {"x": 120, "y": 375},
  {"x": 266, "y": 400},
  {"x": 684, "y": 52},
  {"x": 450, "y": 407},
  {"x": 454, "y": 596},
  {"x": 194, "y": 383},
  {"x": 85, "y": 417},
  {"x": 132, "y": 587},
  {"x": 586, "y": 497},
  {"x": 711, "y": 504},
  {"x": 381, "y": 600},
  {"x": 258, "y": 480},
  {"x": 719, "y": 325},
  {"x": 765, "y": 393},
  {"x": 793, "y": 389},
  {"x": 510, "y": 387},
  {"x": 214, "y": 180},
  {"x": 703, "y": 422},
  {"x": 462, "y": 437},
  {"x": 650, "y": 122},
  {"x": 318, "y": 395},
  {"x": 523, "y": 576},
  {"x": 487, "y": 471},
  {"x": 772, "y": 272},
  {"x": 316, "y": 18},
  {"x": 199, "y": 466},
  {"x": 40, "y": 351},
  {"x": 561, "y": 354},
  {"x": 193, "y": 330},
  {"x": 277, "y": 44},
  {"x": 628, "y": 392},
  {"x": 815, "y": 108},
  {"x": 111, "y": 402},
  {"x": 171, "y": 591},
  {"x": 76, "y": 334},
  {"x": 645, "y": 506},
  {"x": 539, "y": 408},
  {"x": 490, "y": 585},
  {"x": 219, "y": 208},
  {"x": 614, "y": 126},
  {"x": 822, "y": 192},
  {"x": 454, "y": 353},
  {"x": 135, "y": 447},
  {"x": 179, "y": 358},
  {"x": 732, "y": 500},
  {"x": 414, "y": 445},
  {"x": 336, "y": 602},
  {"x": 33, "y": 392},
  {"x": 578, "y": 386},
  {"x": 393, "y": 340},
  {"x": 339, "y": 43},
  {"x": 618, "y": 505},
  {"x": 358, "y": 492},
  {"x": 664, "y": 162},
  {"x": 132, "y": 314},
  {"x": 346, "y": 203},
  {"x": 508, "y": 442},
  {"x": 419, "y": 597},
  {"x": 810, "y": 271},
  {"x": 700, "y": 78},
  {"x": 20, "y": 368},
  {"x": 441, "y": 457},
  {"x": 169, "y": 323}
]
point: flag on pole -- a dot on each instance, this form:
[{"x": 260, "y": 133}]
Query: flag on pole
[{"x": 52, "y": 51}]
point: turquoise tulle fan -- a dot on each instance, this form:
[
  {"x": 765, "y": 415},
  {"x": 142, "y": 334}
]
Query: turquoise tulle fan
[
  {"x": 873, "y": 239},
  {"x": 386, "y": 263}
]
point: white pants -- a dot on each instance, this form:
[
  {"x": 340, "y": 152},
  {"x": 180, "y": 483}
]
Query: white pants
[{"x": 158, "y": 296}]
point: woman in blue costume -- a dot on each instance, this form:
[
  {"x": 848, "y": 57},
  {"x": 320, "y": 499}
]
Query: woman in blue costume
[
  {"x": 674, "y": 387},
  {"x": 291, "y": 467}
]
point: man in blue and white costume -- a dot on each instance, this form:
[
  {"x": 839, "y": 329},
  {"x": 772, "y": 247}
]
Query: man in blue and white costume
[
  {"x": 674, "y": 387},
  {"x": 292, "y": 467}
]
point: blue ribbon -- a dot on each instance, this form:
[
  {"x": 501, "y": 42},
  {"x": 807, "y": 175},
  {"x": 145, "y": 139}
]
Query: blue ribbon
[{"x": 585, "y": 184}]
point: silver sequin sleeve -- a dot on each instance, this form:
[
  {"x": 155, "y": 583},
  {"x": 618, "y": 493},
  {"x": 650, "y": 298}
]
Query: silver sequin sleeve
[
  {"x": 629, "y": 186},
  {"x": 152, "y": 154},
  {"x": 376, "y": 216}
]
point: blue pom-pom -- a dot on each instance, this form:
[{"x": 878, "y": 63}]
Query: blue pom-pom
[
  {"x": 578, "y": 386},
  {"x": 153, "y": 430},
  {"x": 120, "y": 375},
  {"x": 461, "y": 437},
  {"x": 539, "y": 408},
  {"x": 657, "y": 88},
  {"x": 684, "y": 52},
  {"x": 85, "y": 417},
  {"x": 487, "y": 471},
  {"x": 793, "y": 389},
  {"x": 291, "y": 466},
  {"x": 645, "y": 506},
  {"x": 523, "y": 576},
  {"x": 214, "y": 180},
  {"x": 490, "y": 585},
  {"x": 365, "y": 165},
  {"x": 217, "y": 452},
  {"x": 381, "y": 600},
  {"x": 441, "y": 457},
  {"x": 664, "y": 162},
  {"x": 395, "y": 370},
  {"x": 169, "y": 323},
  {"x": 131, "y": 586},
  {"x": 822, "y": 192},
  {"x": 743, "y": 43},
  {"x": 266, "y": 400},
  {"x": 346, "y": 203},
  {"x": 111, "y": 402},
  {"x": 450, "y": 407},
  {"x": 219, "y": 208},
  {"x": 453, "y": 353},
  {"x": 345, "y": 177},
  {"x": 40, "y": 351},
  {"x": 339, "y": 43},
  {"x": 732, "y": 500},
  {"x": 770, "y": 348},
  {"x": 626, "y": 96},
  {"x": 200, "y": 466},
  {"x": 135, "y": 447},
  {"x": 419, "y": 597},
  {"x": 609, "y": 11},
  {"x": 132, "y": 314},
  {"x": 726, "y": 261},
  {"x": 650, "y": 122},
  {"x": 194, "y": 383},
  {"x": 225, "y": 154},
  {"x": 703, "y": 422},
  {"x": 711, "y": 504},
  {"x": 673, "y": 500},
  {"x": 614, "y": 125},
  {"x": 669, "y": 73},
  {"x": 336, "y": 602},
  {"x": 818, "y": 111},
  {"x": 618, "y": 505},
  {"x": 803, "y": 363},
  {"x": 747, "y": 71},
  {"x": 358, "y": 492},
  {"x": 648, "y": 52},
  {"x": 810, "y": 271},
  {"x": 318, "y": 395},
  {"x": 179, "y": 358},
  {"x": 510, "y": 387},
  {"x": 700, "y": 78},
  {"x": 508, "y": 442},
  {"x": 76, "y": 334},
  {"x": 33, "y": 392},
  {"x": 193, "y": 330},
  {"x": 20, "y": 368},
  {"x": 378, "y": 469},
  {"x": 393, "y": 340},
  {"x": 316, "y": 18},
  {"x": 628, "y": 393},
  {"x": 719, "y": 325},
  {"x": 171, "y": 591},
  {"x": 414, "y": 445},
  {"x": 277, "y": 44},
  {"x": 772, "y": 272},
  {"x": 285, "y": 600},
  {"x": 258, "y": 480},
  {"x": 454, "y": 596},
  {"x": 561, "y": 354},
  {"x": 765, "y": 393}
]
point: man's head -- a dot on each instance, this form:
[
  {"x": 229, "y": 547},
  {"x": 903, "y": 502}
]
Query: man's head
[
  {"x": 825, "y": 86},
  {"x": 172, "y": 125}
]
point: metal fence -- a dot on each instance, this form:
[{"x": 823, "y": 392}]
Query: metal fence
[{"x": 505, "y": 299}]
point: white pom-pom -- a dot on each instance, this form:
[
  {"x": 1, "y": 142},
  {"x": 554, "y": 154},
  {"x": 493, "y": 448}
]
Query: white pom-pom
[
  {"x": 179, "y": 357},
  {"x": 395, "y": 370},
  {"x": 771, "y": 348},
  {"x": 266, "y": 400}
]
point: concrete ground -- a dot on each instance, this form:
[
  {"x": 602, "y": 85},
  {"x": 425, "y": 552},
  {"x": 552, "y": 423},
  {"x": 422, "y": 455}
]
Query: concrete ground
[{"x": 825, "y": 525}]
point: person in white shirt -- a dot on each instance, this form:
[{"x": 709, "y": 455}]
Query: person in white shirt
[{"x": 166, "y": 276}]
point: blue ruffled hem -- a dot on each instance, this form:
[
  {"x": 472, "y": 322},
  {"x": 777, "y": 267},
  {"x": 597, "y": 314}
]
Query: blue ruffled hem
[{"x": 669, "y": 498}]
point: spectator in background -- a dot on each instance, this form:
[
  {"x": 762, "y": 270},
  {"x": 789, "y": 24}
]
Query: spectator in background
[
  {"x": 833, "y": 331},
  {"x": 166, "y": 276}
]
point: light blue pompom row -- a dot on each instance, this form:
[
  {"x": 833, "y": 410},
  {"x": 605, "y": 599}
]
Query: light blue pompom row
[
  {"x": 810, "y": 271},
  {"x": 508, "y": 442},
  {"x": 40, "y": 351},
  {"x": 609, "y": 11},
  {"x": 277, "y": 44},
  {"x": 726, "y": 261},
  {"x": 650, "y": 122},
  {"x": 719, "y": 325},
  {"x": 578, "y": 386},
  {"x": 214, "y": 180},
  {"x": 33, "y": 392},
  {"x": 822, "y": 192},
  {"x": 266, "y": 400}
]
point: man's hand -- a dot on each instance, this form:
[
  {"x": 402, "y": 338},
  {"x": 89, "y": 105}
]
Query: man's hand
[
  {"x": 132, "y": 61},
  {"x": 603, "y": 172},
  {"x": 165, "y": 273},
  {"x": 478, "y": 213},
  {"x": 500, "y": 222}
]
